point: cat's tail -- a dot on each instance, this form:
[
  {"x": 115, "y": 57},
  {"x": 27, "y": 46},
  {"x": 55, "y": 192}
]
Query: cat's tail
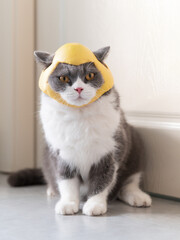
[{"x": 26, "y": 177}]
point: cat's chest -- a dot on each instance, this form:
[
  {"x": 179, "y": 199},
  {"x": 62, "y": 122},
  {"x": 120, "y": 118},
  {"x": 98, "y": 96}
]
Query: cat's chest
[{"x": 82, "y": 137}]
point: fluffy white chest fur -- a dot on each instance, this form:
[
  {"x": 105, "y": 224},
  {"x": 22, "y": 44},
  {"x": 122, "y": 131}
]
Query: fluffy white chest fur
[{"x": 83, "y": 135}]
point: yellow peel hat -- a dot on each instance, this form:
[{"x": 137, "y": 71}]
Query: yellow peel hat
[{"x": 75, "y": 54}]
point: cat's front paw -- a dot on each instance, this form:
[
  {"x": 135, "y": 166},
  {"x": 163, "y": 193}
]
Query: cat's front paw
[
  {"x": 50, "y": 193},
  {"x": 92, "y": 208},
  {"x": 66, "y": 207}
]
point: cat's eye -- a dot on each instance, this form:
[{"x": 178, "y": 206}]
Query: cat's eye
[
  {"x": 89, "y": 76},
  {"x": 64, "y": 79}
]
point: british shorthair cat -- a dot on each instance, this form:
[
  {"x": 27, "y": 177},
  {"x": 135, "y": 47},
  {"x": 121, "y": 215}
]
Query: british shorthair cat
[{"x": 91, "y": 151}]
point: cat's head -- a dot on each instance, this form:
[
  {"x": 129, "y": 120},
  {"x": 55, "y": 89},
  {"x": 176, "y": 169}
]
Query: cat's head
[{"x": 76, "y": 85}]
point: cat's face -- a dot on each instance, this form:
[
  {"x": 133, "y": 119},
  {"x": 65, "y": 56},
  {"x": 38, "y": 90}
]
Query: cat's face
[{"x": 77, "y": 85}]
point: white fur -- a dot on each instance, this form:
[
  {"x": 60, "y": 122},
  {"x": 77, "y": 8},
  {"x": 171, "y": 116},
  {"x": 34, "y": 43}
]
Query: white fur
[
  {"x": 83, "y": 135},
  {"x": 50, "y": 192},
  {"x": 133, "y": 195},
  {"x": 97, "y": 204},
  {"x": 69, "y": 202},
  {"x": 65, "y": 207}
]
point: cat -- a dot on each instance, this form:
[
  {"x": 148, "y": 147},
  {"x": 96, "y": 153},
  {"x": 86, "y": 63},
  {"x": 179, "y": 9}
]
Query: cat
[{"x": 91, "y": 152}]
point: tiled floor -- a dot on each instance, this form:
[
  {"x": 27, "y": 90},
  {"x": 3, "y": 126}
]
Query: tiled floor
[{"x": 26, "y": 214}]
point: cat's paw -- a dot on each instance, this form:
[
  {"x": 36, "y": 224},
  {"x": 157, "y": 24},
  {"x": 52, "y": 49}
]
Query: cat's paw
[
  {"x": 50, "y": 193},
  {"x": 92, "y": 208},
  {"x": 66, "y": 207},
  {"x": 137, "y": 199}
]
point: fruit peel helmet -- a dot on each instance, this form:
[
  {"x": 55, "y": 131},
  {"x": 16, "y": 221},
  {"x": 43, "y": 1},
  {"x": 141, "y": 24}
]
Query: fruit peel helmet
[{"x": 75, "y": 54}]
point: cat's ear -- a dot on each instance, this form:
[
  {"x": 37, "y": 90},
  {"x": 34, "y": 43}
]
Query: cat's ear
[
  {"x": 102, "y": 53},
  {"x": 44, "y": 58}
]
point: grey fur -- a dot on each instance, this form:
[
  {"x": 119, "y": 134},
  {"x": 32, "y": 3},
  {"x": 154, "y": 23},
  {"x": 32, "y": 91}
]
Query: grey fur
[
  {"x": 128, "y": 154},
  {"x": 101, "y": 53},
  {"x": 73, "y": 72},
  {"x": 44, "y": 58},
  {"x": 101, "y": 174},
  {"x": 26, "y": 177},
  {"x": 116, "y": 102},
  {"x": 49, "y": 166},
  {"x": 65, "y": 172}
]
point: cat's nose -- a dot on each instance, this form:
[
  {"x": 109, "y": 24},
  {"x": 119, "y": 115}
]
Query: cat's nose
[{"x": 79, "y": 89}]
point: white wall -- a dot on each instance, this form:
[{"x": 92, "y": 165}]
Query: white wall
[
  {"x": 144, "y": 36},
  {"x": 17, "y": 142},
  {"x": 6, "y": 68}
]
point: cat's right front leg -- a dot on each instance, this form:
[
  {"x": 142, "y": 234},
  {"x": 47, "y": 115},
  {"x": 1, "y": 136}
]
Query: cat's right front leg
[
  {"x": 101, "y": 177},
  {"x": 69, "y": 201}
]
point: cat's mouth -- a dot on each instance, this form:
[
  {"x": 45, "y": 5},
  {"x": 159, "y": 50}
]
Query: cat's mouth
[
  {"x": 80, "y": 97},
  {"x": 80, "y": 100}
]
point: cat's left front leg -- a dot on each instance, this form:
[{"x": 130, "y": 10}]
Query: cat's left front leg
[{"x": 100, "y": 181}]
